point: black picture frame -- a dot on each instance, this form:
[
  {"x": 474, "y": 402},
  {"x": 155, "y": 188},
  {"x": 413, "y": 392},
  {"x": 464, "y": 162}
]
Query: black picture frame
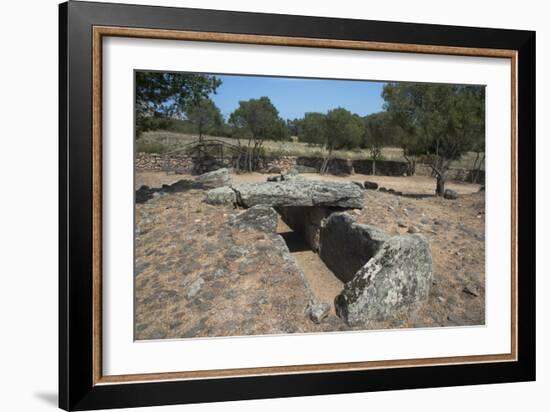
[{"x": 77, "y": 390}]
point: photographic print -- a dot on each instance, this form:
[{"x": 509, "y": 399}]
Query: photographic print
[
  {"x": 235, "y": 206},
  {"x": 280, "y": 205}
]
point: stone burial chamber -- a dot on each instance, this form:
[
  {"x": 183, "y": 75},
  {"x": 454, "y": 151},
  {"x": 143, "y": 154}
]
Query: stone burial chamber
[{"x": 384, "y": 276}]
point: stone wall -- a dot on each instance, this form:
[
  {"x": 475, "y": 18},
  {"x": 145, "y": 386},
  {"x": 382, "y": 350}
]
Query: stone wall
[
  {"x": 458, "y": 174},
  {"x": 152, "y": 162},
  {"x": 335, "y": 166},
  {"x": 281, "y": 164},
  {"x": 383, "y": 167},
  {"x": 182, "y": 163}
]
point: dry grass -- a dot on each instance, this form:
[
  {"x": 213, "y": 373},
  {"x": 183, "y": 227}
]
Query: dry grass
[{"x": 163, "y": 142}]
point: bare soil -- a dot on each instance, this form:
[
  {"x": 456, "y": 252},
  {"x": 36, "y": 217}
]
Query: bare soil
[{"x": 248, "y": 287}]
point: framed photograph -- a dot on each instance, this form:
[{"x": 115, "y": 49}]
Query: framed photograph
[{"x": 257, "y": 206}]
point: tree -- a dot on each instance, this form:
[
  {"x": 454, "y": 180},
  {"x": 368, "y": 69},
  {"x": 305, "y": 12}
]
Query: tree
[
  {"x": 441, "y": 121},
  {"x": 293, "y": 126},
  {"x": 205, "y": 117},
  {"x": 380, "y": 131},
  {"x": 343, "y": 130},
  {"x": 161, "y": 94},
  {"x": 255, "y": 121},
  {"x": 313, "y": 128}
]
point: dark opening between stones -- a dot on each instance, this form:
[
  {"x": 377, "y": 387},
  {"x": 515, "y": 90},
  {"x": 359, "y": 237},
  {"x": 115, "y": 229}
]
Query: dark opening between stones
[{"x": 343, "y": 245}]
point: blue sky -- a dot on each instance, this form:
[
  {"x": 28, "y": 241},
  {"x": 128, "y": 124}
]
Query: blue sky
[{"x": 293, "y": 97}]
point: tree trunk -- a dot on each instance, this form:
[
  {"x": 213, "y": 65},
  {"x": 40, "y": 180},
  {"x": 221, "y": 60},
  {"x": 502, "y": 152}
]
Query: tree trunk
[
  {"x": 473, "y": 176},
  {"x": 478, "y": 169},
  {"x": 324, "y": 166},
  {"x": 440, "y": 184},
  {"x": 373, "y": 167}
]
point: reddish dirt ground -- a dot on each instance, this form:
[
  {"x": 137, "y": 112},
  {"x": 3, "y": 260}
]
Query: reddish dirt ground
[{"x": 174, "y": 231}]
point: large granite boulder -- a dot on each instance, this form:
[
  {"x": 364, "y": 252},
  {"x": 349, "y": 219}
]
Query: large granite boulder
[
  {"x": 300, "y": 192},
  {"x": 260, "y": 217},
  {"x": 345, "y": 246},
  {"x": 216, "y": 178},
  {"x": 221, "y": 196},
  {"x": 396, "y": 280}
]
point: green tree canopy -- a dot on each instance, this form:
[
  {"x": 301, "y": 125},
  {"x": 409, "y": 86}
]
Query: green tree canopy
[
  {"x": 441, "y": 122},
  {"x": 313, "y": 128},
  {"x": 161, "y": 94},
  {"x": 205, "y": 117},
  {"x": 257, "y": 120},
  {"x": 380, "y": 131},
  {"x": 343, "y": 129}
]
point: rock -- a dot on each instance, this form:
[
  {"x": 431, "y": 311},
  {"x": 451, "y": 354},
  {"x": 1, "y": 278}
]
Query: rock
[
  {"x": 278, "y": 178},
  {"x": 382, "y": 189},
  {"x": 318, "y": 312},
  {"x": 412, "y": 229},
  {"x": 195, "y": 287},
  {"x": 396, "y": 280},
  {"x": 259, "y": 217},
  {"x": 306, "y": 169},
  {"x": 359, "y": 184},
  {"x": 370, "y": 185},
  {"x": 221, "y": 196},
  {"x": 292, "y": 176},
  {"x": 345, "y": 246},
  {"x": 450, "y": 194},
  {"x": 471, "y": 290},
  {"x": 216, "y": 178},
  {"x": 143, "y": 194},
  {"x": 401, "y": 223},
  {"x": 275, "y": 169},
  {"x": 299, "y": 193}
]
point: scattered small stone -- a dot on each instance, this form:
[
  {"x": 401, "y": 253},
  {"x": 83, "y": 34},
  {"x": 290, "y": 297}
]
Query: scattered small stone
[
  {"x": 454, "y": 321},
  {"x": 318, "y": 312},
  {"x": 370, "y": 185},
  {"x": 219, "y": 273},
  {"x": 425, "y": 221},
  {"x": 471, "y": 290},
  {"x": 278, "y": 178},
  {"x": 401, "y": 223},
  {"x": 450, "y": 194},
  {"x": 195, "y": 287},
  {"x": 412, "y": 229}
]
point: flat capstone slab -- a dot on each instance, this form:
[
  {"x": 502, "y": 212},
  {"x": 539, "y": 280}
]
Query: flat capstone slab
[{"x": 300, "y": 193}]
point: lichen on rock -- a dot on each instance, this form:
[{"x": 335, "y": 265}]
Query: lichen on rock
[{"x": 396, "y": 280}]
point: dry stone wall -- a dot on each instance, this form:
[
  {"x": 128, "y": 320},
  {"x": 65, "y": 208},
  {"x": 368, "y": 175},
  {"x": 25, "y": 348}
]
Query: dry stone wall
[{"x": 181, "y": 163}]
